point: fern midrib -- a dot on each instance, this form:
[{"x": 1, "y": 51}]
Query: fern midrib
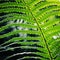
[{"x": 51, "y": 58}]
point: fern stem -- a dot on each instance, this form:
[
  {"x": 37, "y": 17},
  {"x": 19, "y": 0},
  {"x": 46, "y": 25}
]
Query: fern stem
[{"x": 51, "y": 58}]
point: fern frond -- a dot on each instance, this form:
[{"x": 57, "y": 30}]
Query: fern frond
[{"x": 30, "y": 29}]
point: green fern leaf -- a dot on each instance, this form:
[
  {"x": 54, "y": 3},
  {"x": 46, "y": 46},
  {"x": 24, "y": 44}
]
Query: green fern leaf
[{"x": 30, "y": 30}]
